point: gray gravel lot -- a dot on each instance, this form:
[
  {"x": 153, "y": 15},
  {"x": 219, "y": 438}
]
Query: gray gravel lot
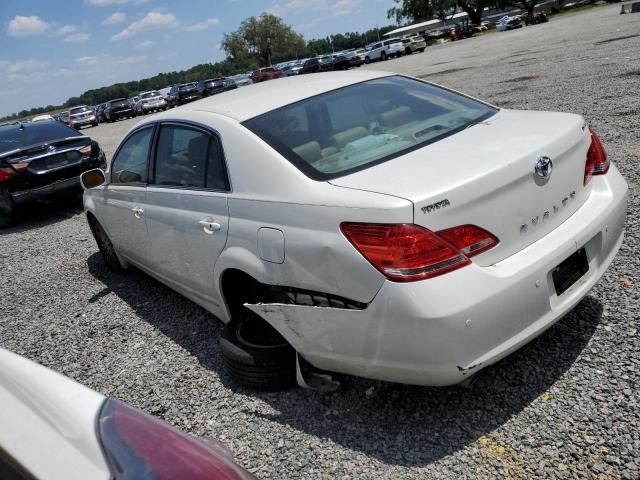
[{"x": 565, "y": 406}]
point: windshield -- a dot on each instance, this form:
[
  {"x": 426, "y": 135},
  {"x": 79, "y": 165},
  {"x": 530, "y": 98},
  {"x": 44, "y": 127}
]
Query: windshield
[
  {"x": 13, "y": 137},
  {"x": 355, "y": 127},
  {"x": 76, "y": 110},
  {"x": 189, "y": 86},
  {"x": 150, "y": 95}
]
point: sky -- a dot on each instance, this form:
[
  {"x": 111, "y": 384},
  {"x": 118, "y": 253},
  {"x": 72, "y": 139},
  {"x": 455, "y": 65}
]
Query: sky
[{"x": 51, "y": 50}]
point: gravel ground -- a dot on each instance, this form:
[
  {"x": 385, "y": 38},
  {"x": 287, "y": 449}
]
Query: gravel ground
[{"x": 565, "y": 406}]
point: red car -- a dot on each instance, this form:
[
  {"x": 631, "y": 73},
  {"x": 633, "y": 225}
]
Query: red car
[{"x": 266, "y": 73}]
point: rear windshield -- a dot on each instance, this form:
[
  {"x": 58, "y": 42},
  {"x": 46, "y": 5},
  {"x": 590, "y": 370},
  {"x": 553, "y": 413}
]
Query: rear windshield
[
  {"x": 186, "y": 87},
  {"x": 150, "y": 95},
  {"x": 119, "y": 100},
  {"x": 355, "y": 127},
  {"x": 12, "y": 137},
  {"x": 73, "y": 111}
]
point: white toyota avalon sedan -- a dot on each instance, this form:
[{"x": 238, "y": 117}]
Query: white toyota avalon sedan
[{"x": 365, "y": 223}]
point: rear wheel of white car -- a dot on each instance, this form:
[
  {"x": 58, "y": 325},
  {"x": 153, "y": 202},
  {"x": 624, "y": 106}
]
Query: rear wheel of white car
[
  {"x": 383, "y": 56},
  {"x": 256, "y": 355},
  {"x": 105, "y": 246}
]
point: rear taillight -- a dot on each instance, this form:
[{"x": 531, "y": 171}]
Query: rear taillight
[
  {"x": 86, "y": 150},
  {"x": 137, "y": 446},
  {"x": 12, "y": 169},
  {"x": 469, "y": 239},
  {"x": 404, "y": 252},
  {"x": 6, "y": 173},
  {"x": 597, "y": 161}
]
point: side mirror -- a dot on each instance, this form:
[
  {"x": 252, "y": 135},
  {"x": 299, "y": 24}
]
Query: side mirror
[{"x": 92, "y": 178}]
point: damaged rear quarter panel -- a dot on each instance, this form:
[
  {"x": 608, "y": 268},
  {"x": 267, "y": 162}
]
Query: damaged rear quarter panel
[{"x": 317, "y": 256}]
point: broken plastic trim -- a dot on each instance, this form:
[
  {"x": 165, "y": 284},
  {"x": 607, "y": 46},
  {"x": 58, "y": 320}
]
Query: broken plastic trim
[{"x": 298, "y": 296}]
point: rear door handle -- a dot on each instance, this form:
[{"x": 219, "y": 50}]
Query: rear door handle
[
  {"x": 209, "y": 226},
  {"x": 137, "y": 212}
]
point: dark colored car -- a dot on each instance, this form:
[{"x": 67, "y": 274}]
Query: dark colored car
[
  {"x": 326, "y": 63},
  {"x": 181, "y": 94},
  {"x": 210, "y": 87},
  {"x": 341, "y": 62},
  {"x": 119, "y": 108},
  {"x": 266, "y": 73},
  {"x": 311, "y": 66},
  {"x": 40, "y": 160},
  {"x": 64, "y": 117}
]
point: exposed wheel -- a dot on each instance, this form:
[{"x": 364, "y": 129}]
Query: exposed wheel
[
  {"x": 383, "y": 56},
  {"x": 367, "y": 60},
  {"x": 421, "y": 50},
  {"x": 105, "y": 246},
  {"x": 95, "y": 124},
  {"x": 256, "y": 355}
]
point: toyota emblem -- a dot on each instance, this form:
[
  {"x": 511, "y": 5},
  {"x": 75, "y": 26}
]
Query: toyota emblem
[{"x": 543, "y": 167}]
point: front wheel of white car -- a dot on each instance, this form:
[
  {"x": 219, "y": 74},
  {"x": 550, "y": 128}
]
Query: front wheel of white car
[{"x": 256, "y": 355}]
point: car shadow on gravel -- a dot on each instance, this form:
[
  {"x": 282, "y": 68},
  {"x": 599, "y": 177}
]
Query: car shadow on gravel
[
  {"x": 396, "y": 424},
  {"x": 42, "y": 214}
]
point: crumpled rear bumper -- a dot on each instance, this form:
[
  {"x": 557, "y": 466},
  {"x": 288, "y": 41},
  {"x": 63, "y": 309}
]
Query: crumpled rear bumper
[{"x": 441, "y": 330}]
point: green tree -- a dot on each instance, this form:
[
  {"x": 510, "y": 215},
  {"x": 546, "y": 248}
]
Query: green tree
[
  {"x": 528, "y": 5},
  {"x": 264, "y": 37},
  {"x": 413, "y": 11}
]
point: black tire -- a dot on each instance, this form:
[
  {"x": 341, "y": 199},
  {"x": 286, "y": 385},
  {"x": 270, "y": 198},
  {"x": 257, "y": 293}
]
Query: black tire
[
  {"x": 7, "y": 219},
  {"x": 421, "y": 50},
  {"x": 105, "y": 246},
  {"x": 383, "y": 56},
  {"x": 7, "y": 213},
  {"x": 367, "y": 60},
  {"x": 256, "y": 355}
]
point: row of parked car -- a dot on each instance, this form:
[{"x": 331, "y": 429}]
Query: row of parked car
[
  {"x": 145, "y": 102},
  {"x": 378, "y": 51}
]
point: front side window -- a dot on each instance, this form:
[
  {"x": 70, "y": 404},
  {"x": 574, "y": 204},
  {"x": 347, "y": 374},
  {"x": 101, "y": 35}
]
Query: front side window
[
  {"x": 355, "y": 127},
  {"x": 189, "y": 158},
  {"x": 131, "y": 162}
]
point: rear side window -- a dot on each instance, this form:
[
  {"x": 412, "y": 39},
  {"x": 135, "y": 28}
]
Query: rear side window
[
  {"x": 189, "y": 158},
  {"x": 132, "y": 160},
  {"x": 355, "y": 127}
]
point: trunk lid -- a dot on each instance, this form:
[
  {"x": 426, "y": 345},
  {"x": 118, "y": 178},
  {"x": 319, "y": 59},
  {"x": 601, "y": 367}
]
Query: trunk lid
[{"x": 485, "y": 176}]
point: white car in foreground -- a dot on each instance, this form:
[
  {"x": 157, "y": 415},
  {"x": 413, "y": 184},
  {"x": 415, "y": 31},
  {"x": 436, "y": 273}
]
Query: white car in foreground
[
  {"x": 54, "y": 428},
  {"x": 363, "y": 222}
]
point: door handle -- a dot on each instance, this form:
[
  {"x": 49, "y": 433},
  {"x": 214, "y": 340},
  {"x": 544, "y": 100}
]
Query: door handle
[
  {"x": 137, "y": 212},
  {"x": 209, "y": 226}
]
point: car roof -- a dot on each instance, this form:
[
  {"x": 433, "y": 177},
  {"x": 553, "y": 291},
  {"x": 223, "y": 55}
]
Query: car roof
[{"x": 263, "y": 97}]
